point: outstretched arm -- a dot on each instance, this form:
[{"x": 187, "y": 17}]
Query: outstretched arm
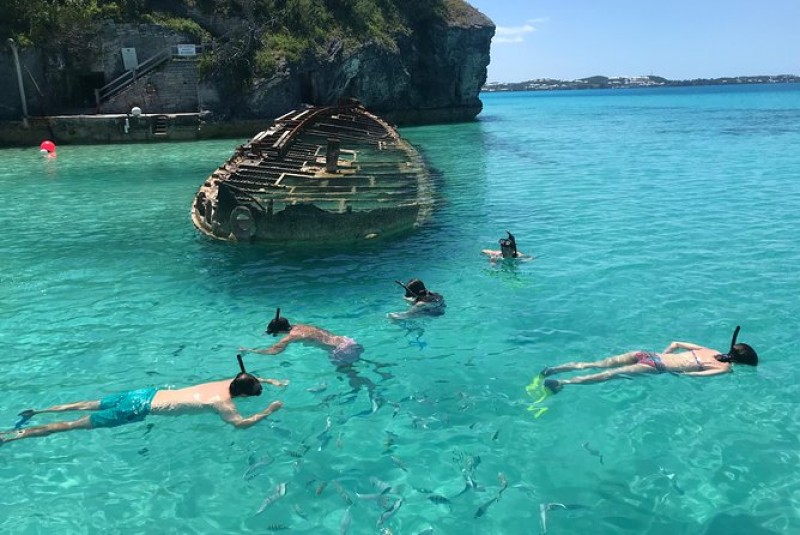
[
  {"x": 681, "y": 345},
  {"x": 273, "y": 382},
  {"x": 274, "y": 349},
  {"x": 231, "y": 415}
]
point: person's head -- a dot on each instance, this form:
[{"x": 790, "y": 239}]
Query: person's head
[
  {"x": 508, "y": 246},
  {"x": 415, "y": 289},
  {"x": 739, "y": 353},
  {"x": 278, "y": 324},
  {"x": 244, "y": 384},
  {"x": 743, "y": 354}
]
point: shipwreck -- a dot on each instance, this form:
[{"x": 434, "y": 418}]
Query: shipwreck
[{"x": 317, "y": 175}]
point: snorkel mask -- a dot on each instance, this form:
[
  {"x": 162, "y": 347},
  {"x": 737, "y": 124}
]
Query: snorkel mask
[
  {"x": 728, "y": 357},
  {"x": 414, "y": 289},
  {"x": 508, "y": 243},
  {"x": 278, "y": 324},
  {"x": 244, "y": 384}
]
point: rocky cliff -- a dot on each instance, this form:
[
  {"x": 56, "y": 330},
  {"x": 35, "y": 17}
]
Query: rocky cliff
[
  {"x": 433, "y": 75},
  {"x": 431, "y": 71}
]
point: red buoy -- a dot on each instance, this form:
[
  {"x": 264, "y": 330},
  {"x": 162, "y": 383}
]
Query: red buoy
[{"x": 47, "y": 145}]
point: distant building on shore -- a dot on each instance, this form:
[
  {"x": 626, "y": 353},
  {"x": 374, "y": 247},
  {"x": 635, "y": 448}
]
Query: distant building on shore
[{"x": 625, "y": 82}]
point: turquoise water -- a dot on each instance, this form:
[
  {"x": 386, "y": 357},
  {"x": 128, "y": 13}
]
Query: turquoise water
[{"x": 655, "y": 215}]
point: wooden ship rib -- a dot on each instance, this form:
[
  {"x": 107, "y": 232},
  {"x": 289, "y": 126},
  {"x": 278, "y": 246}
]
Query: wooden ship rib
[{"x": 318, "y": 175}]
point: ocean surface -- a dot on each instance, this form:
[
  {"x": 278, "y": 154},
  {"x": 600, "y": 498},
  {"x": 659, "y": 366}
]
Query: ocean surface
[{"x": 654, "y": 215}]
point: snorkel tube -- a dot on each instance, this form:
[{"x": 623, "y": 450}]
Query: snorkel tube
[
  {"x": 727, "y": 357},
  {"x": 244, "y": 384},
  {"x": 509, "y": 243},
  {"x": 408, "y": 290},
  {"x": 273, "y": 327},
  {"x": 513, "y": 243}
]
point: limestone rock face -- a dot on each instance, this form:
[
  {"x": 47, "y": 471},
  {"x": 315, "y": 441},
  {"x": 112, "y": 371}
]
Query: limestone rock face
[{"x": 433, "y": 76}]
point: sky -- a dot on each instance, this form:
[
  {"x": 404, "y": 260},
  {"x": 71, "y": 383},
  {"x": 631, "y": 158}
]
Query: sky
[{"x": 676, "y": 39}]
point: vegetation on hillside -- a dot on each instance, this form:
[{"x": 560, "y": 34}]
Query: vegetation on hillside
[{"x": 260, "y": 37}]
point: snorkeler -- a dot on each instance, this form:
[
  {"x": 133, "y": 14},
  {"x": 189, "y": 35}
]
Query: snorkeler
[
  {"x": 695, "y": 361},
  {"x": 423, "y": 301},
  {"x": 135, "y": 405},
  {"x": 508, "y": 250},
  {"x": 342, "y": 349}
]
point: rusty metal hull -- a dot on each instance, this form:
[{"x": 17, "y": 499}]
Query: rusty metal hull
[{"x": 319, "y": 175}]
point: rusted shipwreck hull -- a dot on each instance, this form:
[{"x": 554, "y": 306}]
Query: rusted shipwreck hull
[{"x": 318, "y": 175}]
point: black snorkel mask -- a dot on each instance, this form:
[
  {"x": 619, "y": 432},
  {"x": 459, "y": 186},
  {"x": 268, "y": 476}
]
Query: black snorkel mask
[
  {"x": 412, "y": 293},
  {"x": 510, "y": 243},
  {"x": 409, "y": 291},
  {"x": 728, "y": 357},
  {"x": 273, "y": 328},
  {"x": 256, "y": 388}
]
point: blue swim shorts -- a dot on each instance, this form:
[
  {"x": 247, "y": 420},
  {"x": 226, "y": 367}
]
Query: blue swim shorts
[{"x": 123, "y": 408}]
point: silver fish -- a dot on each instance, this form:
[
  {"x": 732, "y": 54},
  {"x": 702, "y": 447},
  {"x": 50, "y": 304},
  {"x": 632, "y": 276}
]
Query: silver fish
[
  {"x": 342, "y": 492},
  {"x": 255, "y": 467},
  {"x": 438, "y": 499},
  {"x": 344, "y": 525},
  {"x": 387, "y": 514},
  {"x": 672, "y": 479},
  {"x": 321, "y": 387},
  {"x": 325, "y": 436},
  {"x": 280, "y": 491},
  {"x": 382, "y": 486},
  {"x": 398, "y": 463},
  {"x": 485, "y": 507},
  {"x": 545, "y": 507},
  {"x": 299, "y": 511}
]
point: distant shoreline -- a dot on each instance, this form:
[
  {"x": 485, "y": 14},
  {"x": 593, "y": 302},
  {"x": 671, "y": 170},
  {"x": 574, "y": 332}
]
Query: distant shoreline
[{"x": 624, "y": 82}]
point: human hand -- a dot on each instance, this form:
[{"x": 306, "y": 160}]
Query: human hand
[{"x": 276, "y": 382}]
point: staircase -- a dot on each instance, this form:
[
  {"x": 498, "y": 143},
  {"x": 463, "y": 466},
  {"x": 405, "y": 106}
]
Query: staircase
[
  {"x": 160, "y": 126},
  {"x": 165, "y": 83}
]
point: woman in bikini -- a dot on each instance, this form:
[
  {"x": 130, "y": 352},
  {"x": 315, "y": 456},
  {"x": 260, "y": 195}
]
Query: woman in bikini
[{"x": 694, "y": 360}]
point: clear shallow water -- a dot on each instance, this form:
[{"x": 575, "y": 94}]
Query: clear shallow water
[{"x": 655, "y": 215}]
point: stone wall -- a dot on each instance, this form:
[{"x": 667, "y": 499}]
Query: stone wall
[{"x": 172, "y": 88}]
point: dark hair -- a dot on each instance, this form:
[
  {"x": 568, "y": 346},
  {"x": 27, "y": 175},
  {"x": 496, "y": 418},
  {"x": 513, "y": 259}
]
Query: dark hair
[
  {"x": 244, "y": 384},
  {"x": 743, "y": 354},
  {"x": 509, "y": 243},
  {"x": 278, "y": 324},
  {"x": 415, "y": 288}
]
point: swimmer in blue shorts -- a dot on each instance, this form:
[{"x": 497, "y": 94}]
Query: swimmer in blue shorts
[
  {"x": 694, "y": 360},
  {"x": 342, "y": 350},
  {"x": 135, "y": 405}
]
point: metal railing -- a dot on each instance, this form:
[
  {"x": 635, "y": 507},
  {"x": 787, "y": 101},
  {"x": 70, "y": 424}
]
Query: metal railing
[{"x": 127, "y": 78}]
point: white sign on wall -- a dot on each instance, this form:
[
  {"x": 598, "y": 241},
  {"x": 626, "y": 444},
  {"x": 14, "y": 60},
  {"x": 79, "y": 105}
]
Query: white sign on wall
[
  {"x": 129, "y": 60},
  {"x": 187, "y": 50}
]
